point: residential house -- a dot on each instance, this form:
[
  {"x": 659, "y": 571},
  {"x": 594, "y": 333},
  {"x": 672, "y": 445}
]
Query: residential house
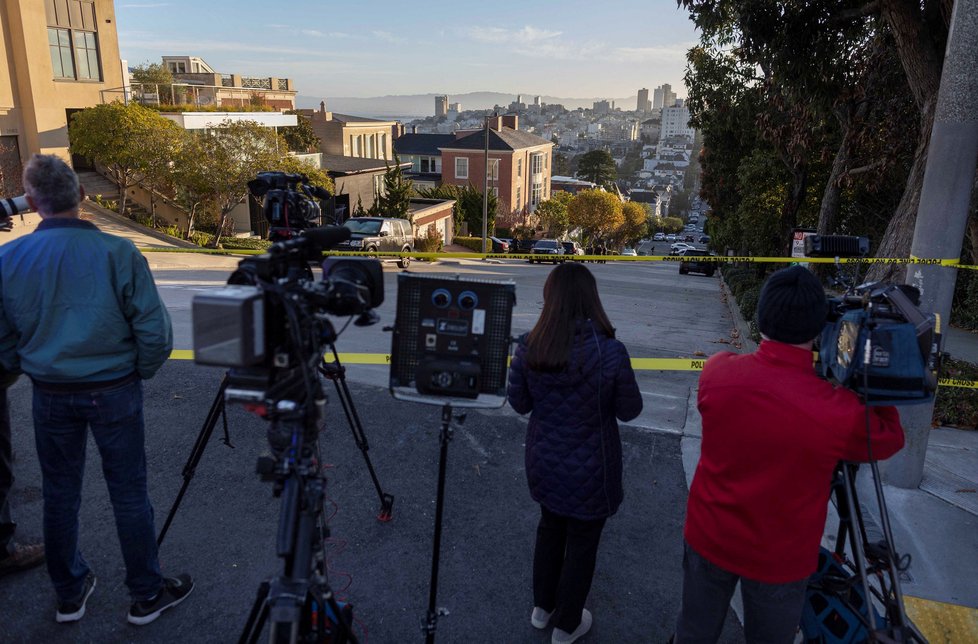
[
  {"x": 352, "y": 136},
  {"x": 518, "y": 171},
  {"x": 358, "y": 181},
  {"x": 59, "y": 57},
  {"x": 424, "y": 153},
  {"x": 197, "y": 83}
]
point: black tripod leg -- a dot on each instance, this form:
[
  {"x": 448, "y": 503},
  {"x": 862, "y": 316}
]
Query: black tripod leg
[
  {"x": 217, "y": 409},
  {"x": 431, "y": 621},
  {"x": 337, "y": 373},
  {"x": 257, "y": 616}
]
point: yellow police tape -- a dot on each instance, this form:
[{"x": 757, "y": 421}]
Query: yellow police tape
[
  {"x": 719, "y": 259},
  {"x": 639, "y": 364}
]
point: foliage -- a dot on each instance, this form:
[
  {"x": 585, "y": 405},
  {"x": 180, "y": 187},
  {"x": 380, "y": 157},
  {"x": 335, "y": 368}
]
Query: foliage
[
  {"x": 552, "y": 213},
  {"x": 635, "y": 224},
  {"x": 562, "y": 166},
  {"x": 133, "y": 142},
  {"x": 294, "y": 165},
  {"x": 431, "y": 242},
  {"x": 190, "y": 107},
  {"x": 598, "y": 167},
  {"x": 153, "y": 74},
  {"x": 215, "y": 166},
  {"x": 468, "y": 206},
  {"x": 301, "y": 138},
  {"x": 472, "y": 243},
  {"x": 957, "y": 406},
  {"x": 395, "y": 200},
  {"x": 597, "y": 213}
]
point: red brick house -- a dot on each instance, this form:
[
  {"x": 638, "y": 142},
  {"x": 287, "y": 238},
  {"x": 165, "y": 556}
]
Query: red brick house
[{"x": 519, "y": 163}]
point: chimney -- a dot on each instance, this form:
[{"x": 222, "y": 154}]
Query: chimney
[
  {"x": 414, "y": 129},
  {"x": 495, "y": 122},
  {"x": 327, "y": 116},
  {"x": 511, "y": 120}
]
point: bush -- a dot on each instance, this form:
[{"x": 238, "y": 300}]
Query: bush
[
  {"x": 432, "y": 242},
  {"x": 473, "y": 243},
  {"x": 186, "y": 107},
  {"x": 245, "y": 243},
  {"x": 957, "y": 406}
]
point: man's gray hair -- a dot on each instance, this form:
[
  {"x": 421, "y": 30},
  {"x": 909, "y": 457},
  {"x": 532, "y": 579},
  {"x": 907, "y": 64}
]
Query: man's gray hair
[{"x": 52, "y": 184}]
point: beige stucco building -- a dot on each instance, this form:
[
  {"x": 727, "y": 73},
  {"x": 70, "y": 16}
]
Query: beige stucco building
[{"x": 58, "y": 56}]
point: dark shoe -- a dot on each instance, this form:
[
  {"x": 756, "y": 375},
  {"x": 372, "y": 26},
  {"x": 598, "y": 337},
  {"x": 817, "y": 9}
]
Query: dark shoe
[
  {"x": 23, "y": 557},
  {"x": 175, "y": 590},
  {"x": 72, "y": 611}
]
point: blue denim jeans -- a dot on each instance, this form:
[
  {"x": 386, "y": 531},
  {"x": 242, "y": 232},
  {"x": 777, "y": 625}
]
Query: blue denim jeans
[{"x": 115, "y": 417}]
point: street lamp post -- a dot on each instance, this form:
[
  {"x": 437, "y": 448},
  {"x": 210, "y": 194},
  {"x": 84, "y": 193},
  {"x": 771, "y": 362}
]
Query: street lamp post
[{"x": 485, "y": 194}]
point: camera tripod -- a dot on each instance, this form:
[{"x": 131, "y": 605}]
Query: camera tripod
[
  {"x": 299, "y": 604},
  {"x": 334, "y": 371},
  {"x": 849, "y": 581}
]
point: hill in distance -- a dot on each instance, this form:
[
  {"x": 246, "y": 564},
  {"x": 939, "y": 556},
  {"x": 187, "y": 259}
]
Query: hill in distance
[{"x": 421, "y": 105}]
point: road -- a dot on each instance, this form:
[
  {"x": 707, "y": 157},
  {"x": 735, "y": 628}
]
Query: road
[{"x": 224, "y": 532}]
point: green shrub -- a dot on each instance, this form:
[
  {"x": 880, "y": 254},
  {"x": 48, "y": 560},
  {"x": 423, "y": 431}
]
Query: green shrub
[
  {"x": 432, "y": 242},
  {"x": 473, "y": 243},
  {"x": 245, "y": 243},
  {"x": 748, "y": 301},
  {"x": 957, "y": 406}
]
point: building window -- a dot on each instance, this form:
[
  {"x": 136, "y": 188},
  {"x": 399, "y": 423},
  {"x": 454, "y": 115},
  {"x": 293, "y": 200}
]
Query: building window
[
  {"x": 461, "y": 168},
  {"x": 492, "y": 172},
  {"x": 519, "y": 197},
  {"x": 495, "y": 192},
  {"x": 536, "y": 194},
  {"x": 383, "y": 145},
  {"x": 86, "y": 52},
  {"x": 379, "y": 185},
  {"x": 72, "y": 39},
  {"x": 519, "y": 167},
  {"x": 536, "y": 164},
  {"x": 59, "y": 40}
]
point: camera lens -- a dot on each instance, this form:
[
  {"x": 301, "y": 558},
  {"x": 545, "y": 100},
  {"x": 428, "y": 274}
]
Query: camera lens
[
  {"x": 467, "y": 300},
  {"x": 441, "y": 298}
]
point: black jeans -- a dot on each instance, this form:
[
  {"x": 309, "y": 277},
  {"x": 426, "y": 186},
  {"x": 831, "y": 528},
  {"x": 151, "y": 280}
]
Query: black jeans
[
  {"x": 563, "y": 566},
  {"x": 772, "y": 612}
]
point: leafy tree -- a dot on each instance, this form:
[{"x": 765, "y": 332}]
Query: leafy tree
[
  {"x": 215, "y": 167},
  {"x": 395, "y": 201},
  {"x": 133, "y": 142},
  {"x": 597, "y": 166},
  {"x": 301, "y": 138},
  {"x": 561, "y": 167},
  {"x": 154, "y": 77},
  {"x": 552, "y": 213},
  {"x": 635, "y": 223},
  {"x": 597, "y": 213},
  {"x": 468, "y": 206}
]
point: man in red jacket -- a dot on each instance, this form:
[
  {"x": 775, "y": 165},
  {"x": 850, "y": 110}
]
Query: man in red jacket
[{"x": 773, "y": 432}]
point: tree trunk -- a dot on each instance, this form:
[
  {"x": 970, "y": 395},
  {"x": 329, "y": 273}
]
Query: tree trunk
[
  {"x": 793, "y": 201},
  {"x": 832, "y": 195},
  {"x": 921, "y": 59},
  {"x": 898, "y": 235}
]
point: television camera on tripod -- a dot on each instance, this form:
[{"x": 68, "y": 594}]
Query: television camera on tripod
[
  {"x": 269, "y": 327},
  {"x": 878, "y": 343}
]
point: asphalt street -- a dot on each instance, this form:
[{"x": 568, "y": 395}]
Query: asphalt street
[{"x": 224, "y": 532}]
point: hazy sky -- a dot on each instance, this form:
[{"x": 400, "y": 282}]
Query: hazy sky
[{"x": 566, "y": 48}]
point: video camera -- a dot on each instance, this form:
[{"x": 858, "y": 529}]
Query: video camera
[
  {"x": 876, "y": 341},
  {"x": 288, "y": 202},
  {"x": 10, "y": 207},
  {"x": 268, "y": 326}
]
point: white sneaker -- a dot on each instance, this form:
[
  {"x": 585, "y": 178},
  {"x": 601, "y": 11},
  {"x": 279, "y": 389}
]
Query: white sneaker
[
  {"x": 540, "y": 618},
  {"x": 563, "y": 637}
]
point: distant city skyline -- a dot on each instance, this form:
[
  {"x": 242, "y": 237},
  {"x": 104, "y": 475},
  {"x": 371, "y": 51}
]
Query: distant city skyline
[{"x": 573, "y": 49}]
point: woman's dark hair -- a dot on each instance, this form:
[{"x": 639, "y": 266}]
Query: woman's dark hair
[{"x": 570, "y": 294}]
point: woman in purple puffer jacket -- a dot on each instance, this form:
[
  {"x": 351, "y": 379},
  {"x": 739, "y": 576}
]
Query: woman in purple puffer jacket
[{"x": 575, "y": 379}]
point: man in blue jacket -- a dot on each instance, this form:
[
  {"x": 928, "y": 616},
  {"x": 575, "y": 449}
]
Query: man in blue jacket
[{"x": 80, "y": 315}]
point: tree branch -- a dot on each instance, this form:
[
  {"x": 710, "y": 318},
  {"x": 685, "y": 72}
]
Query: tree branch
[
  {"x": 866, "y": 168},
  {"x": 868, "y": 9}
]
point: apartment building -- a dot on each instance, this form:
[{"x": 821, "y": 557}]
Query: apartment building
[
  {"x": 59, "y": 56},
  {"x": 518, "y": 171}
]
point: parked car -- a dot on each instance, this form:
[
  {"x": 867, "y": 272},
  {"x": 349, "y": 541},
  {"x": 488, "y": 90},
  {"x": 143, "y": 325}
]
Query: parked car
[
  {"x": 384, "y": 234},
  {"x": 671, "y": 237},
  {"x": 678, "y": 247},
  {"x": 572, "y": 248},
  {"x": 692, "y": 264},
  {"x": 630, "y": 252},
  {"x": 522, "y": 245},
  {"x": 547, "y": 250},
  {"x": 499, "y": 245},
  {"x": 704, "y": 239},
  {"x": 659, "y": 237},
  {"x": 689, "y": 238}
]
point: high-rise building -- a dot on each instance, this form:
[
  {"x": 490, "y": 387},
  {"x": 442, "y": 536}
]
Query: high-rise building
[
  {"x": 675, "y": 122},
  {"x": 668, "y": 96},
  {"x": 441, "y": 105},
  {"x": 657, "y": 98},
  {"x": 642, "y": 105},
  {"x": 602, "y": 107},
  {"x": 536, "y": 101}
]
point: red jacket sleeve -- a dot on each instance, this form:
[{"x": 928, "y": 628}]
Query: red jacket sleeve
[{"x": 885, "y": 431}]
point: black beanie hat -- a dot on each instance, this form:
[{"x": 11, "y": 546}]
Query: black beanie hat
[{"x": 792, "y": 306}]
